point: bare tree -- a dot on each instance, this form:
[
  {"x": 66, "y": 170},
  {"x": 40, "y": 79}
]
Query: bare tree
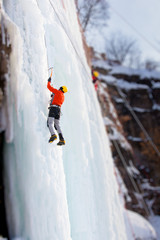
[
  {"x": 151, "y": 65},
  {"x": 123, "y": 49},
  {"x": 92, "y": 13}
]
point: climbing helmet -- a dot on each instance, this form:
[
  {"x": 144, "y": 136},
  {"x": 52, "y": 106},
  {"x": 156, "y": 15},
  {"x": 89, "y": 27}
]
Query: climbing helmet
[
  {"x": 95, "y": 73},
  {"x": 64, "y": 89}
]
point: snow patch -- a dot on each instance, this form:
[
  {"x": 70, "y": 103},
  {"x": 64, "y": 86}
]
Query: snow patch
[
  {"x": 143, "y": 73},
  {"x": 156, "y": 107},
  {"x": 139, "y": 227}
]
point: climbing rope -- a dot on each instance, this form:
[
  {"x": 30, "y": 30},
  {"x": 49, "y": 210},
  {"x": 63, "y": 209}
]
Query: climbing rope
[
  {"x": 69, "y": 39},
  {"x": 139, "y": 122},
  {"x": 127, "y": 215},
  {"x": 130, "y": 177},
  {"x": 133, "y": 28}
]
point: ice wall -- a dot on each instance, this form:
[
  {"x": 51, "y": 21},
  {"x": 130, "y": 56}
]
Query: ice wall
[{"x": 53, "y": 192}]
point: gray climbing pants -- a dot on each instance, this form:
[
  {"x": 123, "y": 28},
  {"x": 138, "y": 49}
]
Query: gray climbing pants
[
  {"x": 56, "y": 125},
  {"x": 54, "y": 117}
]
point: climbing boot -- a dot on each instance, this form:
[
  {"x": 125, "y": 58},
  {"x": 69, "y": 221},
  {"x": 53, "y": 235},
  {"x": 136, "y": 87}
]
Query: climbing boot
[
  {"x": 52, "y": 138},
  {"x": 61, "y": 142}
]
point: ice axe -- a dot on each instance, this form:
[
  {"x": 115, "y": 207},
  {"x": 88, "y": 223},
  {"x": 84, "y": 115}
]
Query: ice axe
[{"x": 51, "y": 70}]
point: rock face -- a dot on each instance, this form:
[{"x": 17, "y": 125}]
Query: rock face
[
  {"x": 135, "y": 99},
  {"x": 5, "y": 50}
]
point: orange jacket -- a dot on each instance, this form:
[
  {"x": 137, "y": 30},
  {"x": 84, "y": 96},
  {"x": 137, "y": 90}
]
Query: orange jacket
[{"x": 58, "y": 95}]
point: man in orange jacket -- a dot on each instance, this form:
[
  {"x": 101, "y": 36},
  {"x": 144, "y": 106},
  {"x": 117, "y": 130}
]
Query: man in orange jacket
[{"x": 57, "y": 99}]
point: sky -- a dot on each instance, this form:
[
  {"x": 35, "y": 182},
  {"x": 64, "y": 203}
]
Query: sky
[{"x": 140, "y": 20}]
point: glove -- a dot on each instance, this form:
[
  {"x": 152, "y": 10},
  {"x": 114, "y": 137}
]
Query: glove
[{"x": 49, "y": 79}]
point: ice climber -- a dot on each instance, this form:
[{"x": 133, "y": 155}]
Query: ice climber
[
  {"x": 95, "y": 75},
  {"x": 57, "y": 99},
  {"x": 95, "y": 79}
]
